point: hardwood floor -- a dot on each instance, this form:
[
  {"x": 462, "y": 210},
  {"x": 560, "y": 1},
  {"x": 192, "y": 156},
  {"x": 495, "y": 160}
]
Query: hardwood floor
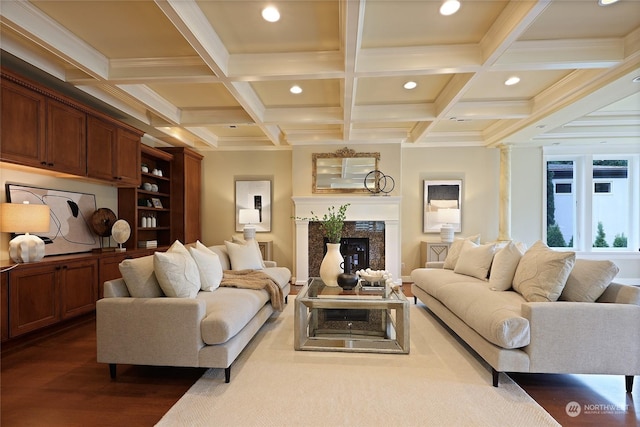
[{"x": 56, "y": 381}]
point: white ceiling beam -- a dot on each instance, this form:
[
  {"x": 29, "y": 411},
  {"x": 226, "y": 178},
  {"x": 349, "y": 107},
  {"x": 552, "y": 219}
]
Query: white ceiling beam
[
  {"x": 419, "y": 60},
  {"x": 38, "y": 27},
  {"x": 489, "y": 110},
  {"x": 252, "y": 67},
  {"x": 351, "y": 36},
  {"x": 304, "y": 115},
  {"x": 561, "y": 54},
  {"x": 394, "y": 113},
  {"x": 214, "y": 116}
]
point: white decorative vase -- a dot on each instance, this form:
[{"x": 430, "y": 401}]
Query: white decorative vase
[{"x": 331, "y": 265}]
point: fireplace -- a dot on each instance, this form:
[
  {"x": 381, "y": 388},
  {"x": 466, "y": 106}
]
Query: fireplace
[{"x": 376, "y": 217}]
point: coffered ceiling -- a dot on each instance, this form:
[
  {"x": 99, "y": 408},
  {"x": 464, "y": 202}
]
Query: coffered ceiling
[{"x": 214, "y": 75}]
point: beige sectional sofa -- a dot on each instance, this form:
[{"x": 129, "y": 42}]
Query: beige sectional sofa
[
  {"x": 138, "y": 324},
  {"x": 582, "y": 323}
]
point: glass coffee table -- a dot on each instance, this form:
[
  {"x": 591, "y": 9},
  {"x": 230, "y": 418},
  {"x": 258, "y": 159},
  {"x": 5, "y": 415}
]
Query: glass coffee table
[{"x": 366, "y": 319}]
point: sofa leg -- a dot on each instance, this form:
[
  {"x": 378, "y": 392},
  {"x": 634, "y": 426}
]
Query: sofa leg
[
  {"x": 286, "y": 299},
  {"x": 628, "y": 379},
  {"x": 227, "y": 374},
  {"x": 415, "y": 299},
  {"x": 495, "y": 375},
  {"x": 112, "y": 370}
]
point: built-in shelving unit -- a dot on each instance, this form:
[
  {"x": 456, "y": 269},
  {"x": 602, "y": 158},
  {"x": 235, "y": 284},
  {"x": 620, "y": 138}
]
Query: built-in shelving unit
[{"x": 152, "y": 200}]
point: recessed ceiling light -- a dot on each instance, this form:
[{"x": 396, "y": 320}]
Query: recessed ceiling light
[
  {"x": 606, "y": 2},
  {"x": 512, "y": 81},
  {"x": 410, "y": 85},
  {"x": 295, "y": 89},
  {"x": 270, "y": 14},
  {"x": 449, "y": 7}
]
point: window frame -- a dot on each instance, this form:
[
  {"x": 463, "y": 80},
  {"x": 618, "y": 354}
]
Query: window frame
[{"x": 584, "y": 192}]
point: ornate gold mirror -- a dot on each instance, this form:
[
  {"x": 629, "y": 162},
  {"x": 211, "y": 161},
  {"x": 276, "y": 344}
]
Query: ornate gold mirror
[{"x": 343, "y": 171}]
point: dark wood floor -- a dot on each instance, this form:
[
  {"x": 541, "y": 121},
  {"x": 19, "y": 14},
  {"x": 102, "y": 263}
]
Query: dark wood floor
[{"x": 56, "y": 381}]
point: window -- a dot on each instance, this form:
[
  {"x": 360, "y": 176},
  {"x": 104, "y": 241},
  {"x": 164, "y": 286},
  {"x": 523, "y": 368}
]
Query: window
[{"x": 592, "y": 201}]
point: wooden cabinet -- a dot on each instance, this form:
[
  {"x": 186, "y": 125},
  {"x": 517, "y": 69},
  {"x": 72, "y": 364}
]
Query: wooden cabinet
[
  {"x": 152, "y": 201},
  {"x": 113, "y": 153},
  {"x": 22, "y": 119},
  {"x": 4, "y": 305},
  {"x": 66, "y": 140},
  {"x": 44, "y": 293},
  {"x": 45, "y": 129},
  {"x": 186, "y": 194}
]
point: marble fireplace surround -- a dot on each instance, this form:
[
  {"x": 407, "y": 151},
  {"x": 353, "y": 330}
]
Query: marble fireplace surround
[{"x": 362, "y": 208}]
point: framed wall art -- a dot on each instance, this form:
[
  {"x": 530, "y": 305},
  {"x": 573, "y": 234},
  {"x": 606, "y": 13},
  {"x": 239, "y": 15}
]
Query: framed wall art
[
  {"x": 442, "y": 205},
  {"x": 254, "y": 195},
  {"x": 71, "y": 212}
]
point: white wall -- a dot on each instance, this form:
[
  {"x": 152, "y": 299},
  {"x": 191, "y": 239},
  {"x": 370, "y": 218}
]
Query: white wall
[
  {"x": 526, "y": 195},
  {"x": 479, "y": 170}
]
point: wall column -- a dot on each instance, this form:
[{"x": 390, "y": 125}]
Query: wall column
[{"x": 504, "y": 224}]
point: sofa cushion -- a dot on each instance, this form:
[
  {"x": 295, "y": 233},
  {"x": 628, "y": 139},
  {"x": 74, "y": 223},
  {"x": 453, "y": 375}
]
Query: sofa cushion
[
  {"x": 494, "y": 315},
  {"x": 228, "y": 311},
  {"x": 243, "y": 256},
  {"x": 503, "y": 268},
  {"x": 475, "y": 260},
  {"x": 588, "y": 280},
  {"x": 221, "y": 250},
  {"x": 139, "y": 275},
  {"x": 454, "y": 250},
  {"x": 251, "y": 241},
  {"x": 542, "y": 273},
  {"x": 209, "y": 266},
  {"x": 177, "y": 272}
]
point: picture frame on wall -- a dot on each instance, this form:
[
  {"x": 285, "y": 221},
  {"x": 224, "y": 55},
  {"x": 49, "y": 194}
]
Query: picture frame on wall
[
  {"x": 254, "y": 195},
  {"x": 70, "y": 215},
  {"x": 442, "y": 205}
]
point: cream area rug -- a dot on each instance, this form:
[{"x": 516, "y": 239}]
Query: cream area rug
[{"x": 440, "y": 383}]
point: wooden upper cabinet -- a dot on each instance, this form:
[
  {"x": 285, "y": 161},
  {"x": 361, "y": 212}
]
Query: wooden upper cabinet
[
  {"x": 66, "y": 138},
  {"x": 113, "y": 153},
  {"x": 22, "y": 125}
]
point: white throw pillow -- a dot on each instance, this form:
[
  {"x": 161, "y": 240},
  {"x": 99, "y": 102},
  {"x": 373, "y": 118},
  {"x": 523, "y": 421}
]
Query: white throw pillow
[
  {"x": 475, "y": 260},
  {"x": 454, "y": 250},
  {"x": 542, "y": 273},
  {"x": 505, "y": 263},
  {"x": 243, "y": 257},
  {"x": 209, "y": 266},
  {"x": 177, "y": 272},
  {"x": 251, "y": 241},
  {"x": 588, "y": 280},
  {"x": 140, "y": 278}
]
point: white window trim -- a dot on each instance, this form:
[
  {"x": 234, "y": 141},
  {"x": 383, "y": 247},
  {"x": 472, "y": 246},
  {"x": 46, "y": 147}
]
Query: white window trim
[{"x": 583, "y": 163}]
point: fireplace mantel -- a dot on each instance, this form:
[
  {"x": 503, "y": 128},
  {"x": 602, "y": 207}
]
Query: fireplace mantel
[{"x": 363, "y": 208}]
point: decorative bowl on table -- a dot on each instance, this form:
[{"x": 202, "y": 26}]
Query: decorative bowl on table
[{"x": 374, "y": 277}]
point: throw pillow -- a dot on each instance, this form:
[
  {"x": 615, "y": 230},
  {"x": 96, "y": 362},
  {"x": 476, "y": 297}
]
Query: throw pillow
[
  {"x": 504, "y": 267},
  {"x": 140, "y": 278},
  {"x": 243, "y": 257},
  {"x": 475, "y": 260},
  {"x": 542, "y": 273},
  {"x": 454, "y": 251},
  {"x": 177, "y": 274},
  {"x": 209, "y": 266},
  {"x": 250, "y": 241},
  {"x": 588, "y": 280}
]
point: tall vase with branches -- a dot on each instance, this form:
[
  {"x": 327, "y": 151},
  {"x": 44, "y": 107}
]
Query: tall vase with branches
[{"x": 332, "y": 224}]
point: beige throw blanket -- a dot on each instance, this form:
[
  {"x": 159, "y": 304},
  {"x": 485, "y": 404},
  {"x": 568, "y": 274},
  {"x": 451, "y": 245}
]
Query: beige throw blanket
[{"x": 254, "y": 279}]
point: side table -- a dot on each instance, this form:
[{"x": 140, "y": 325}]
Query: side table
[{"x": 433, "y": 251}]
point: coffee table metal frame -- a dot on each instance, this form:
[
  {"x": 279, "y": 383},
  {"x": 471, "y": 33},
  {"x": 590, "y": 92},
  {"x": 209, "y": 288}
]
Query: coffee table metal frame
[{"x": 393, "y": 304}]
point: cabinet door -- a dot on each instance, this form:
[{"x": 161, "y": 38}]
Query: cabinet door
[
  {"x": 127, "y": 157},
  {"x": 4, "y": 305},
  {"x": 101, "y": 137},
  {"x": 22, "y": 115},
  {"x": 78, "y": 287},
  {"x": 192, "y": 198},
  {"x": 66, "y": 138},
  {"x": 33, "y": 298}
]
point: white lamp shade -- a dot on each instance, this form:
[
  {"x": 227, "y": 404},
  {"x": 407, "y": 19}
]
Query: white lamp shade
[
  {"x": 249, "y": 216},
  {"x": 449, "y": 216},
  {"x": 25, "y": 218}
]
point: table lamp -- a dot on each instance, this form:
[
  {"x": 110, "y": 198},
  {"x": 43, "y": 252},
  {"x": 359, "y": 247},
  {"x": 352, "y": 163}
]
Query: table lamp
[
  {"x": 449, "y": 218},
  {"x": 248, "y": 217},
  {"x": 25, "y": 218}
]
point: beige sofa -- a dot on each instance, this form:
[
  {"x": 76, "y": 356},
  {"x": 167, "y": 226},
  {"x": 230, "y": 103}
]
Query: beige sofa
[
  {"x": 208, "y": 330},
  {"x": 514, "y": 331}
]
